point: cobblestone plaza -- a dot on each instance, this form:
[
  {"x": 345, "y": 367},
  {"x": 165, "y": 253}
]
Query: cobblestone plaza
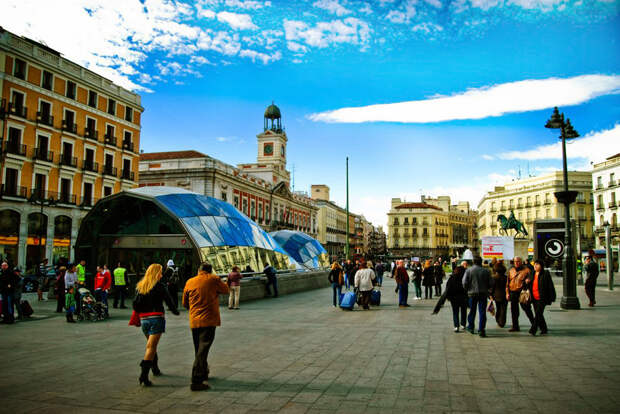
[{"x": 298, "y": 354}]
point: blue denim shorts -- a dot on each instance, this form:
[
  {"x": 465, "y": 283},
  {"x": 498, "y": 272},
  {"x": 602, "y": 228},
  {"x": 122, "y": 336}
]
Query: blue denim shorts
[{"x": 153, "y": 326}]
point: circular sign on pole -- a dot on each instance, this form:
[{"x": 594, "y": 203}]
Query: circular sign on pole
[{"x": 554, "y": 247}]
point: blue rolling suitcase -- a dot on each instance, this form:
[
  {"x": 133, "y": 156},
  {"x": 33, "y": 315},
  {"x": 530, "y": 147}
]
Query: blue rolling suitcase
[
  {"x": 375, "y": 298},
  {"x": 348, "y": 300}
]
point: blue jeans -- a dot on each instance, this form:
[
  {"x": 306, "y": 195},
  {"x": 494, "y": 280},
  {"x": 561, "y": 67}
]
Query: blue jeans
[
  {"x": 403, "y": 292},
  {"x": 102, "y": 296},
  {"x": 7, "y": 307},
  {"x": 347, "y": 281},
  {"x": 337, "y": 292},
  {"x": 477, "y": 301},
  {"x": 272, "y": 281},
  {"x": 380, "y": 278}
]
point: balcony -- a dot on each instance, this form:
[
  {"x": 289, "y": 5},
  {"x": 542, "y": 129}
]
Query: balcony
[
  {"x": 128, "y": 146},
  {"x": 612, "y": 183},
  {"x": 42, "y": 154},
  {"x": 600, "y": 207},
  {"x": 68, "y": 160},
  {"x": 613, "y": 205},
  {"x": 69, "y": 126},
  {"x": 13, "y": 191},
  {"x": 38, "y": 194},
  {"x": 536, "y": 203},
  {"x": 63, "y": 198},
  {"x": 90, "y": 165},
  {"x": 109, "y": 170},
  {"x": 88, "y": 201},
  {"x": 9, "y": 147},
  {"x": 91, "y": 134},
  {"x": 45, "y": 119},
  {"x": 129, "y": 175},
  {"x": 18, "y": 110},
  {"x": 110, "y": 140}
]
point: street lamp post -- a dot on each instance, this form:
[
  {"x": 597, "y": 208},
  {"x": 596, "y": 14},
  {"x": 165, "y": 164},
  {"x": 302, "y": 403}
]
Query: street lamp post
[
  {"x": 566, "y": 197},
  {"x": 39, "y": 200},
  {"x": 608, "y": 257}
]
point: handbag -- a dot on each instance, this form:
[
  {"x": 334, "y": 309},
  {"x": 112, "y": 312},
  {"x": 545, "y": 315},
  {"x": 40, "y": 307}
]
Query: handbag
[
  {"x": 491, "y": 308},
  {"x": 525, "y": 297},
  {"x": 134, "y": 320}
]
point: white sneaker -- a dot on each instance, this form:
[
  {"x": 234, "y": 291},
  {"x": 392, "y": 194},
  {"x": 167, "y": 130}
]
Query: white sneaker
[
  {"x": 456, "y": 329},
  {"x": 463, "y": 326}
]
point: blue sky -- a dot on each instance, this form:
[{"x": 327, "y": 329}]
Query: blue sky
[{"x": 469, "y": 84}]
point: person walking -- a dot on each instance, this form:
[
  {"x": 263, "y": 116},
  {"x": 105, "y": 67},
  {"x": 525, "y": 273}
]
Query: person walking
[
  {"x": 200, "y": 296},
  {"x": 429, "y": 279},
  {"x": 457, "y": 296},
  {"x": 543, "y": 294},
  {"x": 364, "y": 278},
  {"x": 379, "y": 269},
  {"x": 149, "y": 305},
  {"x": 70, "y": 303},
  {"x": 417, "y": 279},
  {"x": 401, "y": 277},
  {"x": 477, "y": 282},
  {"x": 81, "y": 283},
  {"x": 499, "y": 291},
  {"x": 103, "y": 282},
  {"x": 120, "y": 285},
  {"x": 60, "y": 289},
  {"x": 516, "y": 277},
  {"x": 349, "y": 274},
  {"x": 592, "y": 272},
  {"x": 336, "y": 278},
  {"x": 171, "y": 280},
  {"x": 8, "y": 282},
  {"x": 17, "y": 295},
  {"x": 272, "y": 280},
  {"x": 234, "y": 284},
  {"x": 439, "y": 275}
]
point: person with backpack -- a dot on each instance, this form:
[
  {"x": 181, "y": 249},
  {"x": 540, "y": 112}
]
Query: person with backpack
[{"x": 171, "y": 280}]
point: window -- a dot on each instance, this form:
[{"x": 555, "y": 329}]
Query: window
[
  {"x": 253, "y": 209},
  {"x": 92, "y": 99},
  {"x": 245, "y": 206},
  {"x": 128, "y": 114},
  {"x": 15, "y": 139},
  {"x": 126, "y": 173},
  {"x": 10, "y": 181},
  {"x": 109, "y": 161},
  {"x": 19, "y": 71},
  {"x": 612, "y": 180},
  {"x": 613, "y": 198},
  {"x": 236, "y": 202},
  {"x": 47, "y": 80},
  {"x": 600, "y": 201},
  {"x": 39, "y": 186},
  {"x": 223, "y": 196},
  {"x": 111, "y": 106},
  {"x": 71, "y": 88},
  {"x": 599, "y": 181},
  {"x": 17, "y": 101},
  {"x": 45, "y": 110},
  {"x": 89, "y": 160},
  {"x": 87, "y": 195},
  {"x": 127, "y": 138},
  {"x": 91, "y": 128},
  {"x": 65, "y": 190},
  {"x": 107, "y": 191}
]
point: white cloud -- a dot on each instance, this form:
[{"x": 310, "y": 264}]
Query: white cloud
[
  {"x": 435, "y": 3},
  {"x": 544, "y": 5},
  {"x": 366, "y": 9},
  {"x": 268, "y": 39},
  {"x": 221, "y": 42},
  {"x": 427, "y": 28},
  {"x": 479, "y": 103},
  {"x": 263, "y": 57},
  {"x": 209, "y": 14},
  {"x": 238, "y": 21},
  {"x": 248, "y": 4},
  {"x": 595, "y": 146},
  {"x": 485, "y": 4},
  {"x": 200, "y": 60},
  {"x": 488, "y": 157},
  {"x": 332, "y": 6},
  {"x": 323, "y": 34},
  {"x": 223, "y": 139},
  {"x": 404, "y": 14},
  {"x": 296, "y": 47}
]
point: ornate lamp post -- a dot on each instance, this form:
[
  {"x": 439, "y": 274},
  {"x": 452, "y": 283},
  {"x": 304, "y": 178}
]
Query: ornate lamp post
[{"x": 566, "y": 197}]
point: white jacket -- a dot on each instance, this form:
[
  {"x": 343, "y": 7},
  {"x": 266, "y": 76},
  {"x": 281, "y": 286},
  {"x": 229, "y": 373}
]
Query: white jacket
[{"x": 364, "y": 278}]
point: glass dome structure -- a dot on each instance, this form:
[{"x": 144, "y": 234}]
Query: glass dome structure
[
  {"x": 154, "y": 224},
  {"x": 304, "y": 249}
]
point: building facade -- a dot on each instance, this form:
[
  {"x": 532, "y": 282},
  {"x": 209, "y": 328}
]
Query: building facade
[
  {"x": 378, "y": 245},
  {"x": 606, "y": 187},
  {"x": 261, "y": 191},
  {"x": 533, "y": 198},
  {"x": 430, "y": 227},
  {"x": 332, "y": 224},
  {"x": 69, "y": 137}
]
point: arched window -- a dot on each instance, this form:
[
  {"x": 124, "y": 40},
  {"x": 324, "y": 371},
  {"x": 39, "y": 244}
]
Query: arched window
[
  {"x": 62, "y": 237},
  {"x": 9, "y": 236},
  {"x": 37, "y": 239}
]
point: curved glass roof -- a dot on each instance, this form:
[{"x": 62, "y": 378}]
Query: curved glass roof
[
  {"x": 303, "y": 248},
  {"x": 209, "y": 221}
]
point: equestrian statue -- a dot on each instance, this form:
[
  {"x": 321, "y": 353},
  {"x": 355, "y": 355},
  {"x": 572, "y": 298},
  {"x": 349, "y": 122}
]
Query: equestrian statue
[{"x": 511, "y": 223}]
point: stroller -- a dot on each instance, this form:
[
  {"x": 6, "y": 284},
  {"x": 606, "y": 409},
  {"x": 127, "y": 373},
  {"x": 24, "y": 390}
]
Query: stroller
[{"x": 91, "y": 310}]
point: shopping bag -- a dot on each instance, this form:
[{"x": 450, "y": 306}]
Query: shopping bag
[{"x": 491, "y": 308}]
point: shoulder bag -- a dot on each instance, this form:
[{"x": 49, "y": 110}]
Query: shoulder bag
[{"x": 525, "y": 297}]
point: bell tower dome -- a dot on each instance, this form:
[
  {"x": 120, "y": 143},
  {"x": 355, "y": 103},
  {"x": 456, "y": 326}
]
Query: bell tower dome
[{"x": 273, "y": 119}]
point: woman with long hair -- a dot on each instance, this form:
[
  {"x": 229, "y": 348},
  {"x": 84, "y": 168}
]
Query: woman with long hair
[
  {"x": 543, "y": 294},
  {"x": 429, "y": 279},
  {"x": 148, "y": 304}
]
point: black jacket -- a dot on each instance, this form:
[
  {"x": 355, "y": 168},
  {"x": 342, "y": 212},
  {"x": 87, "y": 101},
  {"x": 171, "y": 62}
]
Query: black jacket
[
  {"x": 154, "y": 301},
  {"x": 429, "y": 276},
  {"x": 334, "y": 275},
  {"x": 546, "y": 289},
  {"x": 454, "y": 289},
  {"x": 8, "y": 281}
]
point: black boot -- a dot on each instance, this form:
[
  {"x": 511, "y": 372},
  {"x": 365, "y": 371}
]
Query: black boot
[
  {"x": 144, "y": 374},
  {"x": 155, "y": 368}
]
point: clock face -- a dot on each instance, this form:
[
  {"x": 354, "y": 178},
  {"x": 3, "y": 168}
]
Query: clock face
[{"x": 268, "y": 149}]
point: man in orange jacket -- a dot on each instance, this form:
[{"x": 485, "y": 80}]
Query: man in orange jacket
[{"x": 200, "y": 296}]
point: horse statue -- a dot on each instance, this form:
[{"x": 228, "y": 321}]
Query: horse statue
[{"x": 511, "y": 223}]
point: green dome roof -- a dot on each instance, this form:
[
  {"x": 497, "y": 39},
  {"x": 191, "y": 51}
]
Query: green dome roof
[{"x": 272, "y": 112}]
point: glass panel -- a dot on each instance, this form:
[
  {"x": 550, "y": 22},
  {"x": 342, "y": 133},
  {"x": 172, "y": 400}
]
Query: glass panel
[
  {"x": 213, "y": 231},
  {"x": 197, "y": 231}
]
